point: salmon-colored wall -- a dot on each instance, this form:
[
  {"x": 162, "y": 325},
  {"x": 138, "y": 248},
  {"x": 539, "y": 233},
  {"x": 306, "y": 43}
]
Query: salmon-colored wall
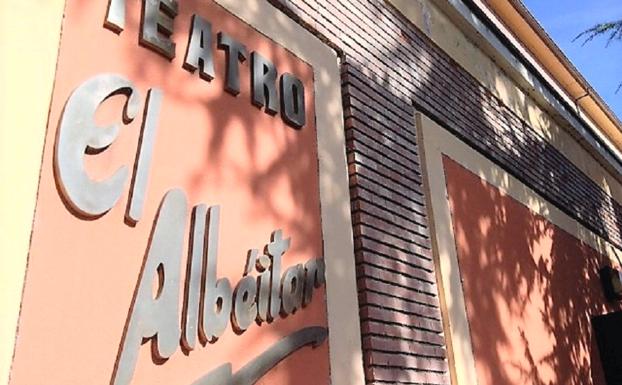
[
  {"x": 530, "y": 288},
  {"x": 219, "y": 149}
]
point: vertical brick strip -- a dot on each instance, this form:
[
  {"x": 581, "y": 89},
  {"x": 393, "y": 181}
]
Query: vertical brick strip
[{"x": 388, "y": 66}]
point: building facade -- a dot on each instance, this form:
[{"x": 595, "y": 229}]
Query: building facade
[{"x": 303, "y": 192}]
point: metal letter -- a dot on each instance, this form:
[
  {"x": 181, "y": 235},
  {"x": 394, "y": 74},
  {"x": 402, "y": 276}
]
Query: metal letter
[
  {"x": 222, "y": 375},
  {"x": 251, "y": 260},
  {"x": 314, "y": 278},
  {"x": 244, "y": 304},
  {"x": 250, "y": 373},
  {"x": 143, "y": 157},
  {"x": 217, "y": 295},
  {"x": 157, "y": 26},
  {"x": 78, "y": 134},
  {"x": 156, "y": 316},
  {"x": 199, "y": 52},
  {"x": 115, "y": 17},
  {"x": 292, "y": 100},
  {"x": 258, "y": 367},
  {"x": 235, "y": 53},
  {"x": 263, "y": 80},
  {"x": 192, "y": 302},
  {"x": 276, "y": 249},
  {"x": 264, "y": 283},
  {"x": 262, "y": 263},
  {"x": 292, "y": 289}
]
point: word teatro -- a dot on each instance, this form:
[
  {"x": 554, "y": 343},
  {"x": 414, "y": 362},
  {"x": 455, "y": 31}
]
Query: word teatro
[
  {"x": 264, "y": 292},
  {"x": 156, "y": 32}
]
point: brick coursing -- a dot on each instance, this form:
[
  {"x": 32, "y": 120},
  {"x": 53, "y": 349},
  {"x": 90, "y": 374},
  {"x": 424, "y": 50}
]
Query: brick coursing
[{"x": 389, "y": 69}]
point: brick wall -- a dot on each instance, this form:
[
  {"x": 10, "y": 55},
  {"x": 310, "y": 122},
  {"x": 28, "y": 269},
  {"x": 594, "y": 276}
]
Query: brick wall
[{"x": 389, "y": 69}]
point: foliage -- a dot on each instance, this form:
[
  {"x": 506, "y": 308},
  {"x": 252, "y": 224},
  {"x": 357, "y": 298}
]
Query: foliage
[{"x": 612, "y": 29}]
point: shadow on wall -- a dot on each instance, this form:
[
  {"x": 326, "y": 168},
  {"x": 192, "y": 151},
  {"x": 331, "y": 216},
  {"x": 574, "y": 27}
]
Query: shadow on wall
[
  {"x": 529, "y": 286},
  {"x": 530, "y": 289},
  {"x": 239, "y": 149}
]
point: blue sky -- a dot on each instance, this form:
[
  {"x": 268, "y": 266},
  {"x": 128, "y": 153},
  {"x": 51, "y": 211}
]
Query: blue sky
[{"x": 600, "y": 65}]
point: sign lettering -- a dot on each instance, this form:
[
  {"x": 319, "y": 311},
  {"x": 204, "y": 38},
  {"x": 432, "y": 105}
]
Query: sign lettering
[
  {"x": 157, "y": 32},
  {"x": 209, "y": 303},
  {"x": 266, "y": 289}
]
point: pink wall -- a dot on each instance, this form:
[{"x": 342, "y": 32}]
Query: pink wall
[
  {"x": 530, "y": 289},
  {"x": 220, "y": 150}
]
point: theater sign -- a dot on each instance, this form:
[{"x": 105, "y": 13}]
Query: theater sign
[{"x": 192, "y": 204}]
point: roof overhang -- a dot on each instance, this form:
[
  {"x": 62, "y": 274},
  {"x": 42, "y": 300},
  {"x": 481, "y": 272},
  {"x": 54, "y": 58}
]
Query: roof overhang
[
  {"x": 508, "y": 38},
  {"x": 528, "y": 31}
]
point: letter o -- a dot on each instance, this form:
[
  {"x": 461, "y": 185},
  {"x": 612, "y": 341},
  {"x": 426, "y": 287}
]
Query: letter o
[{"x": 292, "y": 100}]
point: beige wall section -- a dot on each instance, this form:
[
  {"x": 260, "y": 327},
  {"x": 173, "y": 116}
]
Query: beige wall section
[
  {"x": 346, "y": 359},
  {"x": 436, "y": 141},
  {"x": 510, "y": 16},
  {"x": 29, "y": 38},
  {"x": 457, "y": 333},
  {"x": 427, "y": 16}
]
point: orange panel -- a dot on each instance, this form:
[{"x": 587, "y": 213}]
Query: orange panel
[
  {"x": 219, "y": 149},
  {"x": 530, "y": 288}
]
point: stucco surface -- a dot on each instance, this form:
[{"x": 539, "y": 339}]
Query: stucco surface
[
  {"x": 530, "y": 288},
  {"x": 221, "y": 150}
]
